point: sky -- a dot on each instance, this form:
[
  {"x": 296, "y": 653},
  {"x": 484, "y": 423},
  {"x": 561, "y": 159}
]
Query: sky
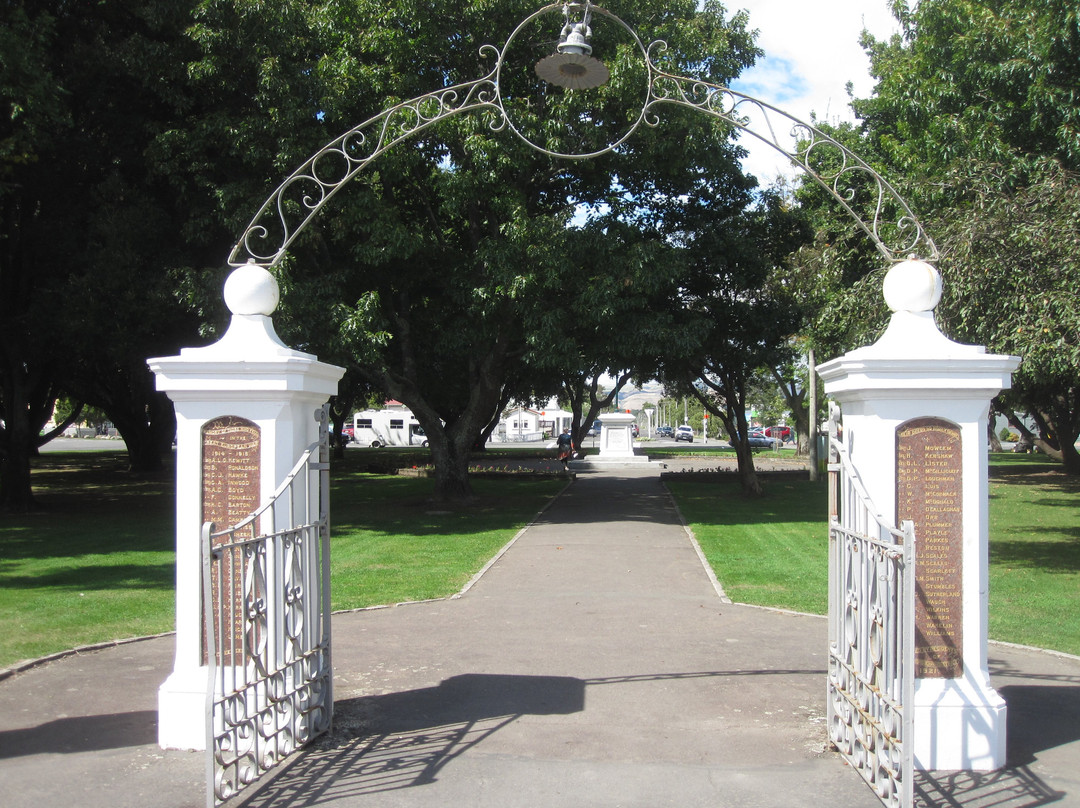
[{"x": 811, "y": 52}]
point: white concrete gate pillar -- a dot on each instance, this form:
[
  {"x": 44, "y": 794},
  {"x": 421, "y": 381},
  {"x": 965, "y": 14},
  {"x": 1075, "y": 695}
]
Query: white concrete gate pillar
[
  {"x": 915, "y": 406},
  {"x": 249, "y": 374}
]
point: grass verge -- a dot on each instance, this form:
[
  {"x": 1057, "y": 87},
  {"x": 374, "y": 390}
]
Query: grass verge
[
  {"x": 98, "y": 562},
  {"x": 773, "y": 551},
  {"x": 768, "y": 551}
]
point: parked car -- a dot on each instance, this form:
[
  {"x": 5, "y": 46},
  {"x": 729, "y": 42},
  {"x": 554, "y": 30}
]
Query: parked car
[
  {"x": 784, "y": 433},
  {"x": 594, "y": 430},
  {"x": 665, "y": 431},
  {"x": 349, "y": 433},
  {"x": 685, "y": 433},
  {"x": 758, "y": 442}
]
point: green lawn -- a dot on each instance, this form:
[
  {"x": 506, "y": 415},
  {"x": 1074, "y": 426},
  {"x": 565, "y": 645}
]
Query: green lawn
[
  {"x": 97, "y": 563},
  {"x": 769, "y": 551},
  {"x": 1034, "y": 553},
  {"x": 391, "y": 544},
  {"x": 773, "y": 551}
]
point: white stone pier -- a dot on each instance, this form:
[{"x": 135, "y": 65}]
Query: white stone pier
[
  {"x": 915, "y": 407},
  {"x": 249, "y": 375}
]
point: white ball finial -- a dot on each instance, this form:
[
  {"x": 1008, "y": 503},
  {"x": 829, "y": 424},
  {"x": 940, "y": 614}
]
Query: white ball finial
[
  {"x": 250, "y": 289},
  {"x": 912, "y": 285}
]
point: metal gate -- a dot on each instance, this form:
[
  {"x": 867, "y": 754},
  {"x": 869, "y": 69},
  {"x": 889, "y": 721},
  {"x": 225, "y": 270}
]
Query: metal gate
[
  {"x": 266, "y": 601},
  {"x": 871, "y": 633}
]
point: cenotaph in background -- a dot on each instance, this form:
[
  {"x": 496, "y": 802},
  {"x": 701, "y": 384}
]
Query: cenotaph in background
[{"x": 616, "y": 443}]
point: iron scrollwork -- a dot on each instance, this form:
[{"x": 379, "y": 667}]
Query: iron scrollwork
[{"x": 875, "y": 205}]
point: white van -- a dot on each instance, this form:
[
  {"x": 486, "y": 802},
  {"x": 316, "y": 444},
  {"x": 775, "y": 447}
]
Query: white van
[{"x": 377, "y": 428}]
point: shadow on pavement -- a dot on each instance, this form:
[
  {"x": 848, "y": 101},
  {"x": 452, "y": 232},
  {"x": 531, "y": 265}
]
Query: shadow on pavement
[
  {"x": 1040, "y": 717},
  {"x": 400, "y": 740},
  {"x": 88, "y": 733}
]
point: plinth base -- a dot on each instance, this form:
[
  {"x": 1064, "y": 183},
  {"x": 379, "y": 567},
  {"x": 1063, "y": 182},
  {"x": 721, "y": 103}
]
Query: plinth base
[
  {"x": 958, "y": 725},
  {"x": 182, "y": 710},
  {"x": 602, "y": 462}
]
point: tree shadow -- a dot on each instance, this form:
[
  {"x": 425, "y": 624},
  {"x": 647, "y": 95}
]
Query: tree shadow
[
  {"x": 86, "y": 733},
  {"x": 401, "y": 740},
  {"x": 100, "y": 577},
  {"x": 1040, "y": 717},
  {"x": 1056, "y": 555}
]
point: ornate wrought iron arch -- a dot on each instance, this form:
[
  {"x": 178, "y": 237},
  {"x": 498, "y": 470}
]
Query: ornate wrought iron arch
[{"x": 892, "y": 225}]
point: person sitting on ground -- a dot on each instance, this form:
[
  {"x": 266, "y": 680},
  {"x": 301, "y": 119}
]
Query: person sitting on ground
[{"x": 565, "y": 446}]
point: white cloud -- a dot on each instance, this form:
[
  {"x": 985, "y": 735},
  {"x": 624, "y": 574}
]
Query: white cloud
[{"x": 811, "y": 52}]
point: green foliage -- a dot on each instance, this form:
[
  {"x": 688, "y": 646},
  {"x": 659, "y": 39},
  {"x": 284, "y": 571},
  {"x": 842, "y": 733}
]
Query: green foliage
[
  {"x": 970, "y": 80},
  {"x": 975, "y": 118},
  {"x": 462, "y": 283}
]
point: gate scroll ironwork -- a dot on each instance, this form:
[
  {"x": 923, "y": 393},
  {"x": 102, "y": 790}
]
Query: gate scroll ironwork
[
  {"x": 270, "y": 687},
  {"x": 871, "y": 681}
]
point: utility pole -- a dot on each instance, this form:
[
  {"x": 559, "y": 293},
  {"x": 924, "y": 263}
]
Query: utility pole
[{"x": 813, "y": 415}]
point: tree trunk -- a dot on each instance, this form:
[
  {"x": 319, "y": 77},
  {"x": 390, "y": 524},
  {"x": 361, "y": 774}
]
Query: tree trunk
[
  {"x": 16, "y": 494},
  {"x": 27, "y": 401},
  {"x": 147, "y": 427},
  {"x": 1070, "y": 459},
  {"x": 991, "y": 434},
  {"x": 451, "y": 460},
  {"x": 735, "y": 424},
  {"x": 337, "y": 434}
]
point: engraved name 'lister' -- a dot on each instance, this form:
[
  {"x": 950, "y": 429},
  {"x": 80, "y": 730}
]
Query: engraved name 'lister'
[
  {"x": 929, "y": 492},
  {"x": 230, "y": 492}
]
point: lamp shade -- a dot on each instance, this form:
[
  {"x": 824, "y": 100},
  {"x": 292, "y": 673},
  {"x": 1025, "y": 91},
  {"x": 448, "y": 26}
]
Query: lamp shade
[{"x": 574, "y": 71}]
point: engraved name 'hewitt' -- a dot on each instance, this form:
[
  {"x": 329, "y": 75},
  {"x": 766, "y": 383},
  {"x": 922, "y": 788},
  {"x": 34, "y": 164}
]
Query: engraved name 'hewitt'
[
  {"x": 929, "y": 490},
  {"x": 230, "y": 491}
]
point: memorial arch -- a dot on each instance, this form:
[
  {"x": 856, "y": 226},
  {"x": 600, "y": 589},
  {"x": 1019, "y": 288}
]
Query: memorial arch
[{"x": 912, "y": 373}]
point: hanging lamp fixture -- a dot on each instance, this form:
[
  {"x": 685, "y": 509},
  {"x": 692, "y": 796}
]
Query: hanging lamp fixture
[{"x": 572, "y": 65}]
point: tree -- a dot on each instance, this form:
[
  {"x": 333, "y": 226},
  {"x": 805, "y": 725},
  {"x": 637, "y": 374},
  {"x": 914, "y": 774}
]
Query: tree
[
  {"x": 975, "y": 107},
  {"x": 743, "y": 323},
  {"x": 459, "y": 242},
  {"x": 1021, "y": 299},
  {"x": 86, "y": 90}
]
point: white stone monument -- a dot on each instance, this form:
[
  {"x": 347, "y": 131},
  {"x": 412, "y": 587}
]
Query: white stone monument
[
  {"x": 915, "y": 406},
  {"x": 252, "y": 378},
  {"x": 616, "y": 444}
]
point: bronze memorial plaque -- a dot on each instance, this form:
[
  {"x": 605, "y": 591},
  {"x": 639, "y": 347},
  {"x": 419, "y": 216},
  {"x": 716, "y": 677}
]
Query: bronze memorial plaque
[
  {"x": 929, "y": 492},
  {"x": 230, "y": 491},
  {"x": 230, "y": 470}
]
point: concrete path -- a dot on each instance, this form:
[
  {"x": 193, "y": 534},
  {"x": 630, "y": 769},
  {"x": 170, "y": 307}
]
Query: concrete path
[{"x": 592, "y": 665}]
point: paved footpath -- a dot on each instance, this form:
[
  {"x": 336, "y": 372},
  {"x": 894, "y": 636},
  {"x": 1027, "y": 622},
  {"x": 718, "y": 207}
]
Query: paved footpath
[{"x": 592, "y": 665}]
